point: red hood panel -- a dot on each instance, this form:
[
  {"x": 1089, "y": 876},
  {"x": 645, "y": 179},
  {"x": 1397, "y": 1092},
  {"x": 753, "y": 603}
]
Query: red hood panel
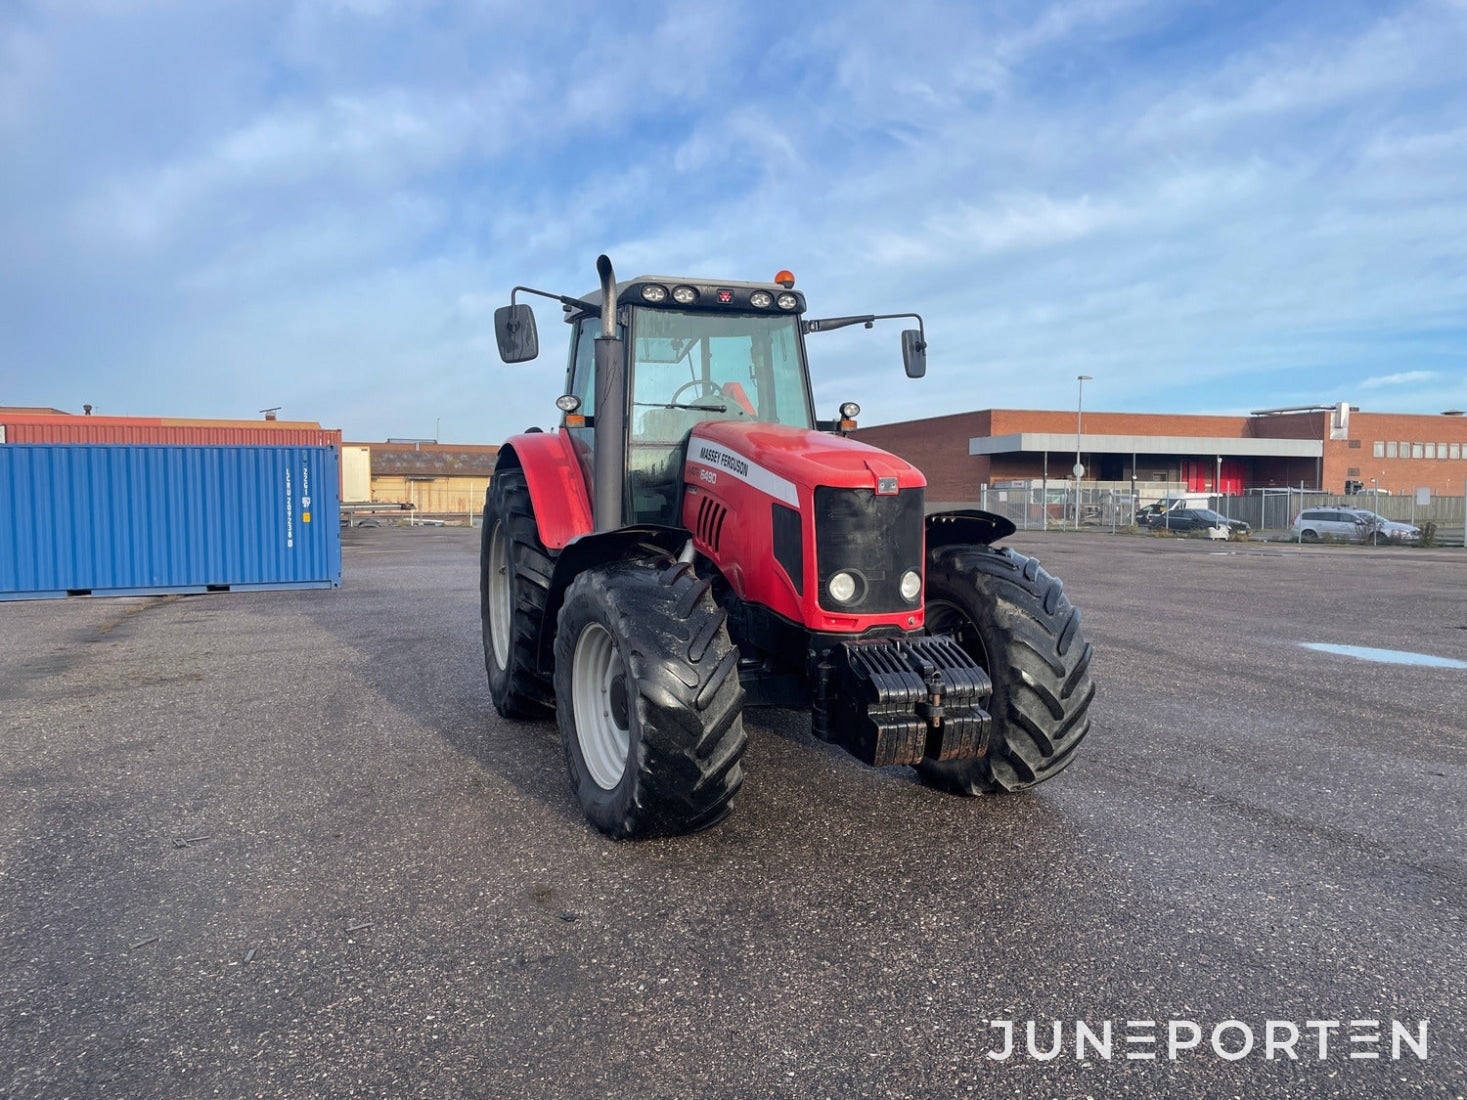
[{"x": 801, "y": 456}]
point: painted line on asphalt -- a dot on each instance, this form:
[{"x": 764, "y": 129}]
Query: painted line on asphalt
[{"x": 1386, "y": 656}]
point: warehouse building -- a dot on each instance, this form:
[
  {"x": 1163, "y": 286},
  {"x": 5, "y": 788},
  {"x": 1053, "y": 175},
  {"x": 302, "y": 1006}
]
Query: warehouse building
[
  {"x": 1330, "y": 448},
  {"x": 442, "y": 480}
]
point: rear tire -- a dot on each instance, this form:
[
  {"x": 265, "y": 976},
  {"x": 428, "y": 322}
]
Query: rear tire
[
  {"x": 514, "y": 584},
  {"x": 648, "y": 699},
  {"x": 1014, "y": 619}
]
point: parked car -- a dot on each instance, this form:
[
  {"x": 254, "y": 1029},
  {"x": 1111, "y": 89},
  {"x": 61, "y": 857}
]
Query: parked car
[
  {"x": 1389, "y": 528},
  {"x": 1352, "y": 524},
  {"x": 1193, "y": 519}
]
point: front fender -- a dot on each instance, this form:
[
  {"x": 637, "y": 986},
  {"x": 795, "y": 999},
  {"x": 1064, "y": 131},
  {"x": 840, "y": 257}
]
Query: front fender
[
  {"x": 557, "y": 487},
  {"x": 966, "y": 526}
]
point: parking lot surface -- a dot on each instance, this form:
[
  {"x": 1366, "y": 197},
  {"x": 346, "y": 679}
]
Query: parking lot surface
[{"x": 279, "y": 844}]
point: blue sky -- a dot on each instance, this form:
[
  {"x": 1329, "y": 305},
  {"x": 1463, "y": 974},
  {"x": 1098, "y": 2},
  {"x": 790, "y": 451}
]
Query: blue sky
[{"x": 211, "y": 208}]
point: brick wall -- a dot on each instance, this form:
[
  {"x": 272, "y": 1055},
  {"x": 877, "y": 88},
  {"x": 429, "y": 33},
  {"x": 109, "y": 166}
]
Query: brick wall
[
  {"x": 1011, "y": 421},
  {"x": 938, "y": 446},
  {"x": 1310, "y": 425},
  {"x": 1443, "y": 476}
]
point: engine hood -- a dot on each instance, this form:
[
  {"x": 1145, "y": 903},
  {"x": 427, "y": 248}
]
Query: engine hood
[{"x": 799, "y": 456}]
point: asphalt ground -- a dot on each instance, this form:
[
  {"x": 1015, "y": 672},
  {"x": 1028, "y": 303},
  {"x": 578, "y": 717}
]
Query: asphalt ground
[{"x": 279, "y": 844}]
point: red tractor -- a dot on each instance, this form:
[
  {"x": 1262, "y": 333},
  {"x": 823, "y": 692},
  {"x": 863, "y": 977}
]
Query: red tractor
[{"x": 693, "y": 540}]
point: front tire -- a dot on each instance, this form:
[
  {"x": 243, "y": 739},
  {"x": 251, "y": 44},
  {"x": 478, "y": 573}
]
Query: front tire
[
  {"x": 648, "y": 699},
  {"x": 514, "y": 585},
  {"x": 1014, "y": 619}
]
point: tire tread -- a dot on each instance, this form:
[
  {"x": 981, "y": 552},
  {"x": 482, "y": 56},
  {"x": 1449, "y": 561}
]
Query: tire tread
[
  {"x": 1036, "y": 656},
  {"x": 689, "y": 703},
  {"x": 523, "y": 691}
]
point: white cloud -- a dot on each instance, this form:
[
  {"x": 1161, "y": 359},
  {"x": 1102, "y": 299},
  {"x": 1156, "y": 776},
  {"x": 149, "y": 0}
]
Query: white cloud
[
  {"x": 1027, "y": 222},
  {"x": 742, "y": 135},
  {"x": 1401, "y": 378},
  {"x": 1418, "y": 48},
  {"x": 346, "y": 145}
]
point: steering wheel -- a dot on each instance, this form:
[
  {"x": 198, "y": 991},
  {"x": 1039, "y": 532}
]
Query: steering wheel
[{"x": 707, "y": 388}]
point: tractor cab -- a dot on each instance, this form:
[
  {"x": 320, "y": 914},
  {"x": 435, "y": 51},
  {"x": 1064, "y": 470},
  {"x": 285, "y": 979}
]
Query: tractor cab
[
  {"x": 695, "y": 352},
  {"x": 676, "y": 353}
]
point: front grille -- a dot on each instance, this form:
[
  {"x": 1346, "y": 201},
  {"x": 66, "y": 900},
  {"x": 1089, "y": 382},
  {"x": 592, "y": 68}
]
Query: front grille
[{"x": 875, "y": 538}]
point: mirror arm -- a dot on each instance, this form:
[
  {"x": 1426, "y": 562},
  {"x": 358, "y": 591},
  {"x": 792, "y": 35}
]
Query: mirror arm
[
  {"x": 574, "y": 303},
  {"x": 828, "y": 323}
]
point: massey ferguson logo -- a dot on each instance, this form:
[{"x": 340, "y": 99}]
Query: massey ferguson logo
[
  {"x": 736, "y": 465},
  {"x": 731, "y": 462}
]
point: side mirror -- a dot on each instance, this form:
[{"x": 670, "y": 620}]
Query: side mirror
[
  {"x": 514, "y": 328},
  {"x": 914, "y": 353}
]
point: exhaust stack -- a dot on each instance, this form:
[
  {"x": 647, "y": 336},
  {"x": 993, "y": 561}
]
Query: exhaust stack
[{"x": 610, "y": 434}]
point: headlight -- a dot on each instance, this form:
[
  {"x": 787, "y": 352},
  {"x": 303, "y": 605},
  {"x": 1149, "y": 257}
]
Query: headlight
[
  {"x": 850, "y": 410},
  {"x": 911, "y": 584},
  {"x": 684, "y": 295},
  {"x": 786, "y": 301},
  {"x": 761, "y": 299},
  {"x": 842, "y": 588},
  {"x": 654, "y": 293}
]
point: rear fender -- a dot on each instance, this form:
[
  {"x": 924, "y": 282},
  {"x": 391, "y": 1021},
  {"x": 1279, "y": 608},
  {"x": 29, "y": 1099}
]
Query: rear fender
[
  {"x": 966, "y": 526},
  {"x": 600, "y": 548},
  {"x": 557, "y": 486}
]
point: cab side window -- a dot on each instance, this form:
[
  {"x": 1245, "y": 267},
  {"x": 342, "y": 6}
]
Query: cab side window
[{"x": 583, "y": 364}]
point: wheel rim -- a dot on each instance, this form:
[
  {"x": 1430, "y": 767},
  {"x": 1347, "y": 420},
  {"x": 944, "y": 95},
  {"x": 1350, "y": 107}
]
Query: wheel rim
[
  {"x": 948, "y": 618},
  {"x": 599, "y": 699},
  {"x": 499, "y": 595}
]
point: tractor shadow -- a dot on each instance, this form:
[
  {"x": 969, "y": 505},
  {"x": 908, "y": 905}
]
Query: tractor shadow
[{"x": 408, "y": 613}]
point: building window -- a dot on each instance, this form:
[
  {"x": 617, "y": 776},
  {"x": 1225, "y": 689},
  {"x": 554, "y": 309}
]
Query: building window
[
  {"x": 1430, "y": 450},
  {"x": 1378, "y": 449},
  {"x": 1354, "y": 444},
  {"x": 1390, "y": 449},
  {"x": 1456, "y": 450},
  {"x": 1441, "y": 450},
  {"x": 1418, "y": 450},
  {"x": 1405, "y": 449}
]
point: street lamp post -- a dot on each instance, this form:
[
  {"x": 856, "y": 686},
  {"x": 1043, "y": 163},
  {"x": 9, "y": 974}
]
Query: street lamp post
[
  {"x": 1079, "y": 470},
  {"x": 1375, "y": 507}
]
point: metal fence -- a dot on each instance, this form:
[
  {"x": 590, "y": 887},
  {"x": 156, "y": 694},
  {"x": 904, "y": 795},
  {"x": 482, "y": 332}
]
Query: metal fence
[{"x": 1060, "y": 505}]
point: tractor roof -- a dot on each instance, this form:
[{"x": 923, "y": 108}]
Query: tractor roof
[{"x": 629, "y": 292}]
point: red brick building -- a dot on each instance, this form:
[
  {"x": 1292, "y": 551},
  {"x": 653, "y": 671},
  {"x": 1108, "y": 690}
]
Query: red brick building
[{"x": 1320, "y": 447}]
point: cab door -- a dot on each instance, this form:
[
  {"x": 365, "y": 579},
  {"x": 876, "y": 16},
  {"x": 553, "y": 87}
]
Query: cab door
[{"x": 581, "y": 381}]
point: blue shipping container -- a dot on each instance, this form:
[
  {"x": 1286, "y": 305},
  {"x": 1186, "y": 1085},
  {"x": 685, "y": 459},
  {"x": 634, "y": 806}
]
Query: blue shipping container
[{"x": 136, "y": 519}]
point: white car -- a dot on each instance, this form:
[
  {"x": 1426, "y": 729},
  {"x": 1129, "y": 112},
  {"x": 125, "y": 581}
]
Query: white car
[
  {"x": 1389, "y": 528},
  {"x": 1352, "y": 524}
]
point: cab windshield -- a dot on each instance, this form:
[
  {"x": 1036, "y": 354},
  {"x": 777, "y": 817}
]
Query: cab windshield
[{"x": 692, "y": 367}]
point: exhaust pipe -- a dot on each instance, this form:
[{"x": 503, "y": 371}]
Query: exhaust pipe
[
  {"x": 610, "y": 435},
  {"x": 608, "y": 295}
]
